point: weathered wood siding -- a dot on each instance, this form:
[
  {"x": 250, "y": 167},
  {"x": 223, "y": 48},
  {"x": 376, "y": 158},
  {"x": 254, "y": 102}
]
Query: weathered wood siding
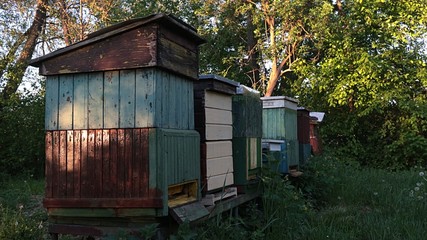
[
  {"x": 118, "y": 168},
  {"x": 104, "y": 166},
  {"x": 139, "y": 44},
  {"x": 119, "y": 99},
  {"x": 247, "y": 156}
]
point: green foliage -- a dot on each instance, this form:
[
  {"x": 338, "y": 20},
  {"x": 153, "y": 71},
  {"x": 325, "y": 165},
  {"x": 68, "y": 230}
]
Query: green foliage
[
  {"x": 370, "y": 78},
  {"x": 22, "y": 136}
]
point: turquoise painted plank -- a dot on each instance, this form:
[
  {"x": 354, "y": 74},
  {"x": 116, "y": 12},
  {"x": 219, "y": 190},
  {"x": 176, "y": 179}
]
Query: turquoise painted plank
[
  {"x": 111, "y": 99},
  {"x": 52, "y": 102},
  {"x": 65, "y": 118},
  {"x": 80, "y": 106},
  {"x": 178, "y": 100},
  {"x": 190, "y": 100},
  {"x": 95, "y": 100},
  {"x": 167, "y": 107},
  {"x": 145, "y": 98},
  {"x": 127, "y": 99}
]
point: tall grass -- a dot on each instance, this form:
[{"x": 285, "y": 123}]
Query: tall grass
[
  {"x": 21, "y": 213},
  {"x": 366, "y": 203}
]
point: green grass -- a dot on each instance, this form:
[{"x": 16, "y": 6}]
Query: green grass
[
  {"x": 333, "y": 200},
  {"x": 21, "y": 213},
  {"x": 366, "y": 203}
]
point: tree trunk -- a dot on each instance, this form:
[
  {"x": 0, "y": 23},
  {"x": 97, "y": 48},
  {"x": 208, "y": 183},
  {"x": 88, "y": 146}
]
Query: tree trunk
[
  {"x": 18, "y": 70},
  {"x": 254, "y": 73}
]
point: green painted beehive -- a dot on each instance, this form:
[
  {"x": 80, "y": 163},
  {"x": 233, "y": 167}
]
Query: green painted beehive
[
  {"x": 247, "y": 133},
  {"x": 279, "y": 121}
]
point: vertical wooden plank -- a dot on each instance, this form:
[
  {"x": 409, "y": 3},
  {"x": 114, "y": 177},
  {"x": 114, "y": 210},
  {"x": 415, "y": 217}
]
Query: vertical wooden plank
[
  {"x": 120, "y": 163},
  {"x": 84, "y": 184},
  {"x": 165, "y": 101},
  {"x": 48, "y": 164},
  {"x": 136, "y": 162},
  {"x": 90, "y": 167},
  {"x": 111, "y": 99},
  {"x": 106, "y": 177},
  {"x": 158, "y": 88},
  {"x": 55, "y": 164},
  {"x": 144, "y": 100},
  {"x": 177, "y": 99},
  {"x": 77, "y": 162},
  {"x": 144, "y": 162},
  {"x": 98, "y": 163},
  {"x": 171, "y": 104},
  {"x": 113, "y": 162},
  {"x": 65, "y": 119},
  {"x": 62, "y": 163},
  {"x": 69, "y": 171},
  {"x": 128, "y": 162},
  {"x": 127, "y": 99},
  {"x": 95, "y": 101},
  {"x": 190, "y": 94},
  {"x": 52, "y": 102},
  {"x": 80, "y": 106}
]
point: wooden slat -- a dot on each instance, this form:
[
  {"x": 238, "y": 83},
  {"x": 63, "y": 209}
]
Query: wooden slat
[
  {"x": 218, "y": 166},
  {"x": 114, "y": 162},
  {"x": 52, "y": 101},
  {"x": 127, "y": 99},
  {"x": 55, "y": 163},
  {"x": 145, "y": 98},
  {"x": 90, "y": 165},
  {"x": 49, "y": 164},
  {"x": 136, "y": 163},
  {"x": 62, "y": 191},
  {"x": 218, "y": 116},
  {"x": 66, "y": 99},
  {"x": 219, "y": 181},
  {"x": 103, "y": 203},
  {"x": 167, "y": 110},
  {"x": 98, "y": 170},
  {"x": 218, "y": 100},
  {"x": 218, "y": 149},
  {"x": 128, "y": 147},
  {"x": 80, "y": 106},
  {"x": 84, "y": 183},
  {"x": 96, "y": 101},
  {"x": 70, "y": 164},
  {"x": 219, "y": 132},
  {"x": 145, "y": 170},
  {"x": 77, "y": 162},
  {"x": 111, "y": 99},
  {"x": 121, "y": 163},
  {"x": 106, "y": 166}
]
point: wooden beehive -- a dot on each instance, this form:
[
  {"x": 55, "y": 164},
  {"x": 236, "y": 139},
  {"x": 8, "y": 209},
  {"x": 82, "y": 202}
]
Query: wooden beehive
[
  {"x": 213, "y": 120},
  {"x": 120, "y": 138},
  {"x": 279, "y": 121},
  {"x": 304, "y": 134},
  {"x": 247, "y": 134}
]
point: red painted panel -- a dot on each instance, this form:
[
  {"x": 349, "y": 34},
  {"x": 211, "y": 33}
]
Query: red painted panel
[{"x": 98, "y": 164}]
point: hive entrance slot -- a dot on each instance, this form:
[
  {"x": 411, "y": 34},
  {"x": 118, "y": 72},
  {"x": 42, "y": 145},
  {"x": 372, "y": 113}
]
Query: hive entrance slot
[{"x": 182, "y": 193}]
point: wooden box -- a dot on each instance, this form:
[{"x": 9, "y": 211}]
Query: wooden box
[
  {"x": 279, "y": 121},
  {"x": 247, "y": 133},
  {"x": 214, "y": 121}
]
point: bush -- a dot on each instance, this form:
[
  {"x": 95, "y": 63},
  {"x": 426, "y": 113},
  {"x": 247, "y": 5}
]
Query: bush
[{"x": 22, "y": 141}]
